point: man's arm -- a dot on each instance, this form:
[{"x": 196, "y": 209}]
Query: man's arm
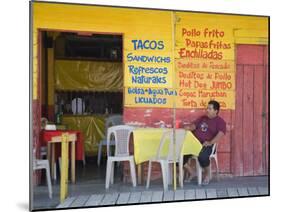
[
  {"x": 190, "y": 127},
  {"x": 215, "y": 140}
]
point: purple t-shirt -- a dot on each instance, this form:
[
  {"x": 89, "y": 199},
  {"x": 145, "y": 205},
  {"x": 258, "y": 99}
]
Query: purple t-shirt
[{"x": 207, "y": 129}]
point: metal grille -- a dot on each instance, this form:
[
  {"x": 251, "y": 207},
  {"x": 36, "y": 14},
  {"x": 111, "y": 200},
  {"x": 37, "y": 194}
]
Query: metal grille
[{"x": 87, "y": 102}]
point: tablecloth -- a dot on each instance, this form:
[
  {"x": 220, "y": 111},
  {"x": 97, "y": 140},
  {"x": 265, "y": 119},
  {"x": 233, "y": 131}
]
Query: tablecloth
[{"x": 147, "y": 140}]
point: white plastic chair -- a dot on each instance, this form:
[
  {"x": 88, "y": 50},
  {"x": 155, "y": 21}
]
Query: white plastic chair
[
  {"x": 43, "y": 149},
  {"x": 121, "y": 135},
  {"x": 169, "y": 159},
  {"x": 110, "y": 121},
  {"x": 199, "y": 168},
  {"x": 43, "y": 164},
  {"x": 46, "y": 126}
]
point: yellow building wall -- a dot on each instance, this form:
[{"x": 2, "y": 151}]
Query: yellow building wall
[
  {"x": 133, "y": 24},
  {"x": 165, "y": 30}
]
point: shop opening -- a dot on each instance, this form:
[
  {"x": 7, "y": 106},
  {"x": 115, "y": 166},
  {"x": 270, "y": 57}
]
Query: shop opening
[{"x": 81, "y": 78}]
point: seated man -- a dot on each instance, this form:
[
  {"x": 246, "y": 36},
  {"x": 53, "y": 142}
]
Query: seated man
[{"x": 208, "y": 129}]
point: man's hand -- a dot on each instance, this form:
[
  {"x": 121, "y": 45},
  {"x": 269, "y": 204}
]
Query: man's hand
[
  {"x": 190, "y": 127},
  {"x": 207, "y": 143}
]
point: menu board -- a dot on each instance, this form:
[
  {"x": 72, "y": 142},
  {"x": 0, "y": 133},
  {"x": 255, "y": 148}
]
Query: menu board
[
  {"x": 149, "y": 73},
  {"x": 204, "y": 65},
  {"x": 200, "y": 58}
]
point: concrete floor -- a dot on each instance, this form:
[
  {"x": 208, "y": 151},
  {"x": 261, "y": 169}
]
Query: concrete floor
[{"x": 91, "y": 180}]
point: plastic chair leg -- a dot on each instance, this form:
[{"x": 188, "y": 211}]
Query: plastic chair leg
[
  {"x": 164, "y": 168},
  {"x": 112, "y": 172},
  {"x": 133, "y": 172},
  {"x": 217, "y": 168},
  {"x": 199, "y": 172},
  {"x": 167, "y": 169},
  {"x": 210, "y": 169},
  {"x": 108, "y": 173},
  {"x": 148, "y": 174},
  {"x": 48, "y": 177},
  {"x": 181, "y": 174},
  {"x": 170, "y": 174}
]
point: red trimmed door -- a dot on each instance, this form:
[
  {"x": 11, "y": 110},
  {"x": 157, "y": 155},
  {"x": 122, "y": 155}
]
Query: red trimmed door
[{"x": 250, "y": 133}]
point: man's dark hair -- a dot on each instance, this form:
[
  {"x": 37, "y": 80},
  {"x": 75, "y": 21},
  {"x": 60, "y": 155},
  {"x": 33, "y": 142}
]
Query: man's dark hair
[{"x": 215, "y": 104}]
